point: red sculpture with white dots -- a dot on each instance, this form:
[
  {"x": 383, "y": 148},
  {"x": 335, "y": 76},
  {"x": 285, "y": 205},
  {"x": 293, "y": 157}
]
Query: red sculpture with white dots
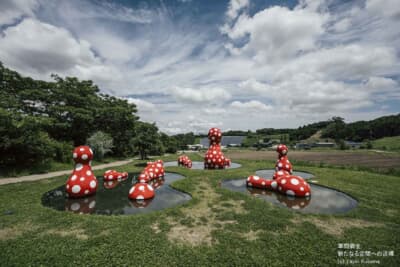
[
  {"x": 214, "y": 158},
  {"x": 82, "y": 181},
  {"x": 282, "y": 181}
]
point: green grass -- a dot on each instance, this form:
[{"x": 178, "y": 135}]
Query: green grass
[
  {"x": 387, "y": 143},
  {"x": 244, "y": 231}
]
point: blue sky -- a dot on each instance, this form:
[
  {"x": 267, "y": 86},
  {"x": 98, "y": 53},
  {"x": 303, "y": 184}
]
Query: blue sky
[{"x": 190, "y": 65}]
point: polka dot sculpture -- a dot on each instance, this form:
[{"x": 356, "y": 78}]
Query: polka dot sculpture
[
  {"x": 184, "y": 161},
  {"x": 282, "y": 181},
  {"x": 214, "y": 158},
  {"x": 82, "y": 181},
  {"x": 152, "y": 173}
]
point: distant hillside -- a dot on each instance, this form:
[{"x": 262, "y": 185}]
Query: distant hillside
[{"x": 387, "y": 143}]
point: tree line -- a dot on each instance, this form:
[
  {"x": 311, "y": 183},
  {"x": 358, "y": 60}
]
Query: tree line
[{"x": 42, "y": 121}]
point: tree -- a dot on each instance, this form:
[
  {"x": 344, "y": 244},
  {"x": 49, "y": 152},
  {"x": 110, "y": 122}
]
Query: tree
[
  {"x": 169, "y": 143},
  {"x": 101, "y": 143},
  {"x": 146, "y": 140}
]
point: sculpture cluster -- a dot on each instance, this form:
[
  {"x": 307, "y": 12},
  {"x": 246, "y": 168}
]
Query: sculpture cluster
[
  {"x": 82, "y": 181},
  {"x": 185, "y": 161},
  {"x": 214, "y": 158},
  {"x": 153, "y": 173},
  {"x": 282, "y": 181}
]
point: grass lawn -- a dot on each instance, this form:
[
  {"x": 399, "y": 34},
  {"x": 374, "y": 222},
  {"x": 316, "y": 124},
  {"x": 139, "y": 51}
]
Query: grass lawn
[
  {"x": 216, "y": 228},
  {"x": 387, "y": 143}
]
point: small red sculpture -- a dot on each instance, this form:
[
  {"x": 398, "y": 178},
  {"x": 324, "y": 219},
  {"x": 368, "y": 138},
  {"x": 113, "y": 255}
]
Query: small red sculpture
[
  {"x": 113, "y": 175},
  {"x": 184, "y": 161},
  {"x": 214, "y": 158},
  {"x": 82, "y": 181},
  {"x": 141, "y": 191}
]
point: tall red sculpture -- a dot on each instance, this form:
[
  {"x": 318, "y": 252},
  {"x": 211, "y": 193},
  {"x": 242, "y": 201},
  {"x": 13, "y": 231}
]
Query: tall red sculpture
[
  {"x": 214, "y": 158},
  {"x": 82, "y": 181}
]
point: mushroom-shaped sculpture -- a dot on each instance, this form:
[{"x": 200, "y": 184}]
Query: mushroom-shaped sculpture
[
  {"x": 141, "y": 191},
  {"x": 113, "y": 175},
  {"x": 154, "y": 170},
  {"x": 214, "y": 158},
  {"x": 184, "y": 161},
  {"x": 280, "y": 173},
  {"x": 110, "y": 184},
  {"x": 284, "y": 164},
  {"x": 143, "y": 177},
  {"x": 82, "y": 181},
  {"x": 258, "y": 182},
  {"x": 294, "y": 186},
  {"x": 282, "y": 150}
]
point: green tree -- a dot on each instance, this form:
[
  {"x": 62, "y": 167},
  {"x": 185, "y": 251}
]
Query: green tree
[
  {"x": 147, "y": 140},
  {"x": 101, "y": 143}
]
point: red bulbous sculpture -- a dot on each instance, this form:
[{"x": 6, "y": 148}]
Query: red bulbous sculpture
[
  {"x": 185, "y": 161},
  {"x": 214, "y": 158},
  {"x": 82, "y": 181}
]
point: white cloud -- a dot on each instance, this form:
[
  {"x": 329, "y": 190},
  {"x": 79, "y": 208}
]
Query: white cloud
[
  {"x": 39, "y": 49},
  {"x": 388, "y": 8},
  {"x": 210, "y": 95},
  {"x": 235, "y": 6},
  {"x": 252, "y": 105},
  {"x": 277, "y": 33},
  {"x": 142, "y": 105},
  {"x": 11, "y": 10}
]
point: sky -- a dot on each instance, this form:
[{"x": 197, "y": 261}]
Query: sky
[{"x": 190, "y": 65}]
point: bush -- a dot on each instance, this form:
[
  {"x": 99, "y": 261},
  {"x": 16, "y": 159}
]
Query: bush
[{"x": 101, "y": 144}]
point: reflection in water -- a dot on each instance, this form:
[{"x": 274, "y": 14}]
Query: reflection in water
[
  {"x": 199, "y": 165},
  {"x": 289, "y": 201},
  {"x": 112, "y": 198},
  {"x": 324, "y": 200}
]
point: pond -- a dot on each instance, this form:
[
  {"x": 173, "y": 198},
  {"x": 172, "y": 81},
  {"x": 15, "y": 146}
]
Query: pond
[
  {"x": 323, "y": 200},
  {"x": 199, "y": 165},
  {"x": 112, "y": 197}
]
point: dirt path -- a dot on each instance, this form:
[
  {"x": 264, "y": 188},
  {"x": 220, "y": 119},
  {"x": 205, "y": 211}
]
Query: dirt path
[{"x": 36, "y": 177}]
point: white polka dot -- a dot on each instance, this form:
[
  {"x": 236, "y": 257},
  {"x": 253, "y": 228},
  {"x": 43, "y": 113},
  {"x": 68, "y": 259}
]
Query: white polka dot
[
  {"x": 150, "y": 187},
  {"x": 75, "y": 206},
  {"x": 91, "y": 151},
  {"x": 274, "y": 184},
  {"x": 290, "y": 193},
  {"x": 88, "y": 173},
  {"x": 301, "y": 188},
  {"x": 307, "y": 194},
  {"x": 263, "y": 183},
  {"x": 140, "y": 197},
  {"x": 256, "y": 178},
  {"x": 84, "y": 157},
  {"x": 294, "y": 181},
  {"x": 78, "y": 167},
  {"x": 248, "y": 178},
  {"x": 141, "y": 188},
  {"x": 280, "y": 165},
  {"x": 74, "y": 155},
  {"x": 82, "y": 149},
  {"x": 82, "y": 179},
  {"x": 67, "y": 186},
  {"x": 284, "y": 151},
  {"x": 92, "y": 204},
  {"x": 132, "y": 189},
  {"x": 283, "y": 181},
  {"x": 287, "y": 166},
  {"x": 73, "y": 178},
  {"x": 93, "y": 184},
  {"x": 110, "y": 177},
  {"x": 76, "y": 189}
]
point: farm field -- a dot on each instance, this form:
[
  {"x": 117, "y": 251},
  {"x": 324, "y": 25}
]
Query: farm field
[
  {"x": 362, "y": 159},
  {"x": 216, "y": 228}
]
